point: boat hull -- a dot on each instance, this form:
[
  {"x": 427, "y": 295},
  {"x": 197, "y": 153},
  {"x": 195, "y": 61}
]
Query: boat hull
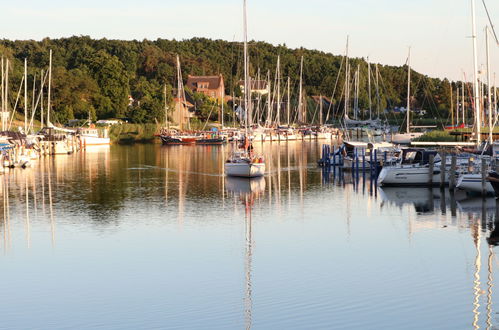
[
  {"x": 244, "y": 170},
  {"x": 170, "y": 140},
  {"x": 473, "y": 183},
  {"x": 94, "y": 141},
  {"x": 405, "y": 138},
  {"x": 409, "y": 176}
]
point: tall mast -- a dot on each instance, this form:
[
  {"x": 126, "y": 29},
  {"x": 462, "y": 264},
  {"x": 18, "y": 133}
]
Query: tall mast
[
  {"x": 49, "y": 87},
  {"x": 179, "y": 95},
  {"x": 269, "y": 100},
  {"x": 463, "y": 99},
  {"x": 26, "y": 96},
  {"x": 378, "y": 100},
  {"x": 320, "y": 110},
  {"x": 247, "y": 91},
  {"x": 41, "y": 98},
  {"x": 347, "y": 78},
  {"x": 408, "y": 129},
  {"x": 475, "y": 76},
  {"x": 369, "y": 88},
  {"x": 489, "y": 89},
  {"x": 457, "y": 104},
  {"x": 451, "y": 104},
  {"x": 6, "y": 94},
  {"x": 300, "y": 94},
  {"x": 278, "y": 119},
  {"x": 2, "y": 106},
  {"x": 165, "y": 105},
  {"x": 289, "y": 100},
  {"x": 223, "y": 101}
]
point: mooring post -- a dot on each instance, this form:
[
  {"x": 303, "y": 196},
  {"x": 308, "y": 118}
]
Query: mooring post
[
  {"x": 452, "y": 174},
  {"x": 376, "y": 164},
  {"x": 363, "y": 162},
  {"x": 334, "y": 158},
  {"x": 371, "y": 163},
  {"x": 353, "y": 161},
  {"x": 442, "y": 169},
  {"x": 484, "y": 176},
  {"x": 431, "y": 169}
]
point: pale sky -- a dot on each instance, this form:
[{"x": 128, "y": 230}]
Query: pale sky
[{"x": 437, "y": 30}]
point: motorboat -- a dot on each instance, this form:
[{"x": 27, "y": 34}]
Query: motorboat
[{"x": 93, "y": 137}]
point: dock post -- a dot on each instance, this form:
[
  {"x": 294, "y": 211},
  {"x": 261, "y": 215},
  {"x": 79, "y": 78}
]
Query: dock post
[
  {"x": 371, "y": 164},
  {"x": 442, "y": 169},
  {"x": 376, "y": 164},
  {"x": 431, "y": 169},
  {"x": 334, "y": 158},
  {"x": 452, "y": 173},
  {"x": 353, "y": 161},
  {"x": 363, "y": 161},
  {"x": 484, "y": 175}
]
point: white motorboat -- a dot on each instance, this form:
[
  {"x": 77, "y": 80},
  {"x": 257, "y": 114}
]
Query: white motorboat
[{"x": 91, "y": 137}]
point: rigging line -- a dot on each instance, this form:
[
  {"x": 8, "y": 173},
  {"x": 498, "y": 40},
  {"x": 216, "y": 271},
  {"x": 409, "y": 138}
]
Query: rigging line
[
  {"x": 334, "y": 90},
  {"x": 490, "y": 21}
]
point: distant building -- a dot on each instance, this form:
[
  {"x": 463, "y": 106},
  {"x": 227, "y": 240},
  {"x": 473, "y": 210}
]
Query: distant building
[
  {"x": 211, "y": 86},
  {"x": 257, "y": 86}
]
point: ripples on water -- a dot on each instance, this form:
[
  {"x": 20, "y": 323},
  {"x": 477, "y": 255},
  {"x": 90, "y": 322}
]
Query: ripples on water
[{"x": 152, "y": 237}]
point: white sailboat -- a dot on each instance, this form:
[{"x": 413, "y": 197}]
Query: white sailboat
[
  {"x": 408, "y": 136},
  {"x": 245, "y": 163}
]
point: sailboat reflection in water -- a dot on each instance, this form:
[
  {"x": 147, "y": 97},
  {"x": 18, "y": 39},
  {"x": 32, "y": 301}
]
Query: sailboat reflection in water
[{"x": 247, "y": 191}]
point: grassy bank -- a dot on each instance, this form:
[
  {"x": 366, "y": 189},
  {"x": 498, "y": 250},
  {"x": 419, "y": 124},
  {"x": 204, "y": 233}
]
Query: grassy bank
[
  {"x": 437, "y": 136},
  {"x": 133, "y": 133}
]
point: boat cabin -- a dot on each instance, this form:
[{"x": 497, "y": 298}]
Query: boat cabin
[{"x": 418, "y": 156}]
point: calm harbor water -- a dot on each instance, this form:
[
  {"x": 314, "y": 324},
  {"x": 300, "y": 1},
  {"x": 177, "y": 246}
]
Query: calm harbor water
[{"x": 145, "y": 236}]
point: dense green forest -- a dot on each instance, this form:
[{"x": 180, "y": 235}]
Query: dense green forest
[{"x": 97, "y": 76}]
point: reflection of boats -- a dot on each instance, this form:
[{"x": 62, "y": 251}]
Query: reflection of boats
[
  {"x": 421, "y": 198},
  {"x": 476, "y": 205},
  {"x": 245, "y": 185}
]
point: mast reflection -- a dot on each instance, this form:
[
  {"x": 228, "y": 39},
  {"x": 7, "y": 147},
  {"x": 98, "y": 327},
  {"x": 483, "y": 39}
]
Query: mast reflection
[{"x": 247, "y": 191}]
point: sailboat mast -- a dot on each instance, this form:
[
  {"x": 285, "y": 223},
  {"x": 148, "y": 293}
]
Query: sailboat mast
[
  {"x": 247, "y": 92},
  {"x": 369, "y": 88},
  {"x": 278, "y": 119},
  {"x": 269, "y": 99},
  {"x": 26, "y": 96},
  {"x": 3, "y": 95},
  {"x": 289, "y": 100},
  {"x": 179, "y": 95},
  {"x": 41, "y": 98},
  {"x": 49, "y": 88},
  {"x": 347, "y": 78},
  {"x": 475, "y": 76},
  {"x": 408, "y": 129},
  {"x": 300, "y": 94},
  {"x": 489, "y": 89},
  {"x": 6, "y": 94}
]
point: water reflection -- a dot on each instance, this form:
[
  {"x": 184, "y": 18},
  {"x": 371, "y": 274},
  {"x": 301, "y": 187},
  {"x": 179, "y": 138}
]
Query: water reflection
[
  {"x": 247, "y": 191},
  {"x": 173, "y": 208}
]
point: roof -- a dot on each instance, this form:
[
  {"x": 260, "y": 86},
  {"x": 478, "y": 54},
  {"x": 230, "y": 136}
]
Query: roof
[{"x": 214, "y": 82}]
